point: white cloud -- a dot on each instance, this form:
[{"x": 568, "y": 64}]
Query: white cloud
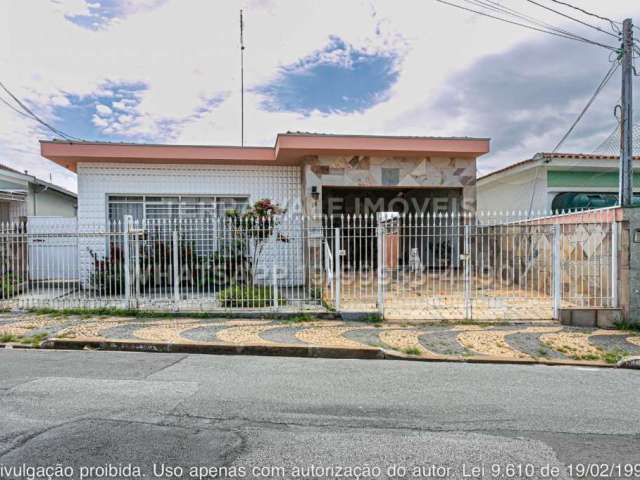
[
  {"x": 72, "y": 7},
  {"x": 125, "y": 119},
  {"x": 120, "y": 105},
  {"x": 99, "y": 121},
  {"x": 103, "y": 110}
]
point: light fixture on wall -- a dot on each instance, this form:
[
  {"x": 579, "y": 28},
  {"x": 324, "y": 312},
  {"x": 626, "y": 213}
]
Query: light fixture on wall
[{"x": 315, "y": 193}]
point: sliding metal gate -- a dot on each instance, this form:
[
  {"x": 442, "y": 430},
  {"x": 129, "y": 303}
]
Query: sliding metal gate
[{"x": 483, "y": 267}]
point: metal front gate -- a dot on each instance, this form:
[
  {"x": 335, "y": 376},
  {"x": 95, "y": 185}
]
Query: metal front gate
[{"x": 483, "y": 267}]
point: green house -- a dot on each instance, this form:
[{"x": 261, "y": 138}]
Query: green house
[{"x": 554, "y": 182}]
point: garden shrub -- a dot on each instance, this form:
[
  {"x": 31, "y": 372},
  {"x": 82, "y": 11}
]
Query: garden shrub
[
  {"x": 248, "y": 297},
  {"x": 8, "y": 285}
]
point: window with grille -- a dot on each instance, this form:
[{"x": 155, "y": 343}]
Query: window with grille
[{"x": 172, "y": 207}]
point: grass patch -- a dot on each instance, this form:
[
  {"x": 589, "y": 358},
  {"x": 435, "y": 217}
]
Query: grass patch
[
  {"x": 543, "y": 352},
  {"x": 479, "y": 323},
  {"x": 614, "y": 356},
  {"x": 7, "y": 338},
  {"x": 88, "y": 313},
  {"x": 566, "y": 349},
  {"x": 124, "y": 312},
  {"x": 34, "y": 340},
  {"x": 634, "y": 327},
  {"x": 327, "y": 306},
  {"x": 251, "y": 297},
  {"x": 412, "y": 351},
  {"x": 373, "y": 318},
  {"x": 587, "y": 356},
  {"x": 302, "y": 318}
]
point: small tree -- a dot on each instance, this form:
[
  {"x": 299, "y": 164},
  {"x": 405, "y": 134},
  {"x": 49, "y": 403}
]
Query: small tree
[{"x": 255, "y": 226}]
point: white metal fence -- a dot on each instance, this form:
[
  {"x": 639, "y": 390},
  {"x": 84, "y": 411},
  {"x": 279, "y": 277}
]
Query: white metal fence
[{"x": 482, "y": 266}]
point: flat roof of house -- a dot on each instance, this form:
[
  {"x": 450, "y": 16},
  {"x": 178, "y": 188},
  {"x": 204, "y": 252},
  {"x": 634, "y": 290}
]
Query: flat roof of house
[
  {"x": 551, "y": 156},
  {"x": 289, "y": 149}
]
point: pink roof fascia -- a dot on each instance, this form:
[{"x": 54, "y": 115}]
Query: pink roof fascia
[
  {"x": 289, "y": 149},
  {"x": 371, "y": 145}
]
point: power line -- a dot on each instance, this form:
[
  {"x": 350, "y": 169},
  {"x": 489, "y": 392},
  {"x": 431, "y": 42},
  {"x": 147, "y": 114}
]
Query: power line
[
  {"x": 19, "y": 112},
  {"x": 586, "y": 12},
  {"x": 499, "y": 8},
  {"x": 570, "y": 36},
  {"x": 36, "y": 117},
  {"x": 602, "y": 84},
  {"x": 572, "y": 18}
]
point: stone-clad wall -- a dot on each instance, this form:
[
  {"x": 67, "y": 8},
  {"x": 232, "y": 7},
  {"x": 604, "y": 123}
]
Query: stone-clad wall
[
  {"x": 365, "y": 171},
  {"x": 519, "y": 258}
]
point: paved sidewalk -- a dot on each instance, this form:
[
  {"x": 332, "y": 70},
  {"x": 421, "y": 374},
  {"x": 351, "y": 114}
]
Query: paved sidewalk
[{"x": 545, "y": 342}]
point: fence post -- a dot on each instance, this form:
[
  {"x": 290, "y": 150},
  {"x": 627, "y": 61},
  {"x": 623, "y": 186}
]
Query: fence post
[
  {"x": 176, "y": 267},
  {"x": 557, "y": 271},
  {"x": 127, "y": 261},
  {"x": 337, "y": 268},
  {"x": 614, "y": 264},
  {"x": 466, "y": 257},
  {"x": 136, "y": 259},
  {"x": 274, "y": 285},
  {"x": 380, "y": 240}
]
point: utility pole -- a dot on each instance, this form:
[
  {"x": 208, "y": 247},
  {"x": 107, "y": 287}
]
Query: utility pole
[
  {"x": 626, "y": 123},
  {"x": 241, "y": 81}
]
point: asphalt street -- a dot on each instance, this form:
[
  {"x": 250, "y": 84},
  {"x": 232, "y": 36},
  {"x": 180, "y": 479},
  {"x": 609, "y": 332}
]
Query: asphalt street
[{"x": 134, "y": 415}]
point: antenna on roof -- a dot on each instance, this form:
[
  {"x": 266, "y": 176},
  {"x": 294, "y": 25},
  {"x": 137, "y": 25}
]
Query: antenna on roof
[{"x": 241, "y": 80}]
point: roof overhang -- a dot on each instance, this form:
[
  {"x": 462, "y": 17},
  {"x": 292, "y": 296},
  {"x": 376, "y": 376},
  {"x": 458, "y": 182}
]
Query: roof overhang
[
  {"x": 557, "y": 161},
  {"x": 290, "y": 149},
  {"x": 13, "y": 195}
]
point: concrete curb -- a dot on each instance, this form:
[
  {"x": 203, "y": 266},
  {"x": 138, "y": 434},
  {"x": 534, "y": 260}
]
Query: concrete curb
[
  {"x": 485, "y": 359},
  {"x": 17, "y": 346},
  {"x": 216, "y": 349},
  {"x": 298, "y": 351}
]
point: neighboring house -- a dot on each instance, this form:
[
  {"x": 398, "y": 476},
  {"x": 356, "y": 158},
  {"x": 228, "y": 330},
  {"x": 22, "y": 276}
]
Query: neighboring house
[
  {"x": 554, "y": 182},
  {"x": 302, "y": 172},
  {"x": 23, "y": 195}
]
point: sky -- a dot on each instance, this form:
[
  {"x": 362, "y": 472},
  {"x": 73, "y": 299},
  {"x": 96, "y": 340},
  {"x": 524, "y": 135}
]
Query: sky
[{"x": 168, "y": 71}]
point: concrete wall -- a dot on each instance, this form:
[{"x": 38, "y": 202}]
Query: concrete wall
[
  {"x": 45, "y": 202},
  {"x": 12, "y": 184},
  {"x": 630, "y": 265},
  {"x": 522, "y": 191}
]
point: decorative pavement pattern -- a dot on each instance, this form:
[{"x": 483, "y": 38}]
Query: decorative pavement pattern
[{"x": 542, "y": 340}]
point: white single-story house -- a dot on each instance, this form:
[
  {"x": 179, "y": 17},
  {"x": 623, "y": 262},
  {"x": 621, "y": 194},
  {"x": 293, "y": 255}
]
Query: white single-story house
[
  {"x": 308, "y": 174},
  {"x": 299, "y": 172},
  {"x": 553, "y": 182},
  {"x": 23, "y": 195}
]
